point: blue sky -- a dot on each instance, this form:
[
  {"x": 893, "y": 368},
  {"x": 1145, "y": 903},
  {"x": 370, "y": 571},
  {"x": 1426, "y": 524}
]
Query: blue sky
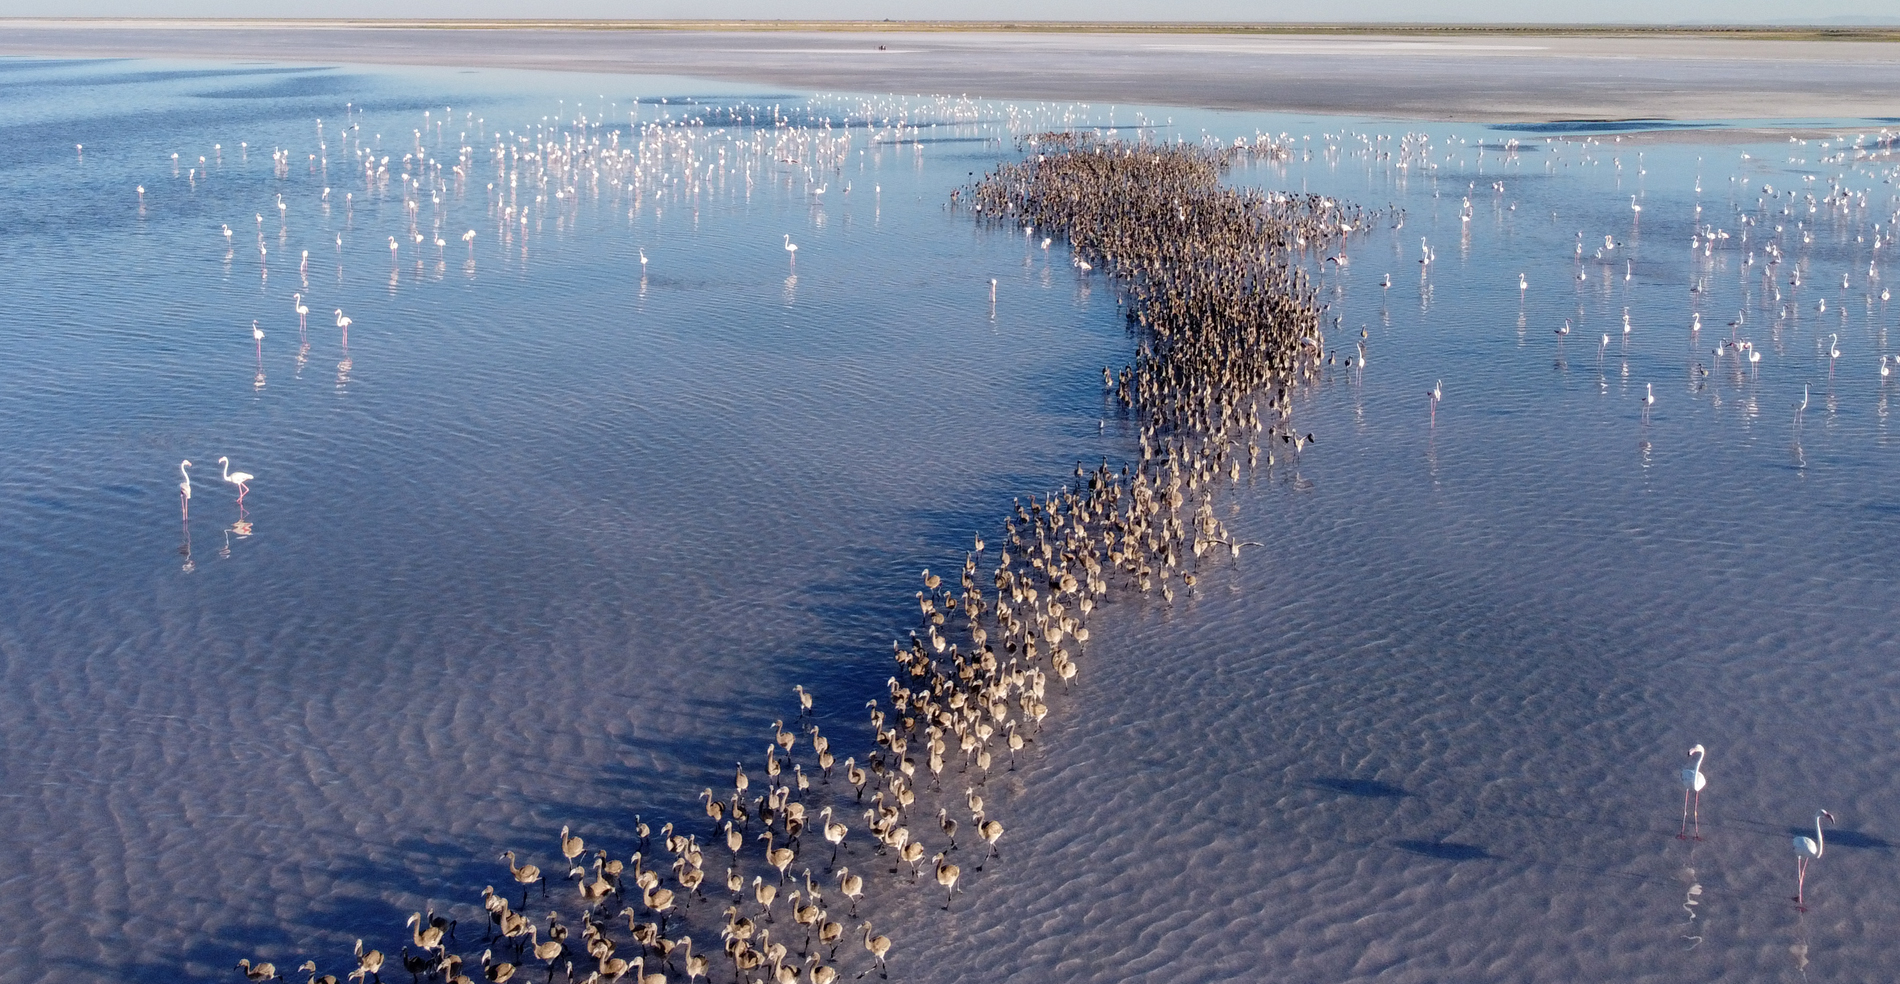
[{"x": 1490, "y": 11}]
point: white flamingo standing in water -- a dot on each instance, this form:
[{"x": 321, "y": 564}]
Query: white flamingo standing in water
[
  {"x": 791, "y": 248},
  {"x": 1808, "y": 849},
  {"x": 303, "y": 311},
  {"x": 1649, "y": 399},
  {"x": 239, "y": 479},
  {"x": 257, "y": 335},
  {"x": 184, "y": 487},
  {"x": 1436, "y": 393},
  {"x": 344, "y": 323},
  {"x": 1693, "y": 782},
  {"x": 1802, "y": 406}
]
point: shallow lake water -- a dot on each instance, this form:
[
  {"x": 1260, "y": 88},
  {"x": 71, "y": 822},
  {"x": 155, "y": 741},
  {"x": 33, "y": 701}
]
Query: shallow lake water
[{"x": 550, "y": 541}]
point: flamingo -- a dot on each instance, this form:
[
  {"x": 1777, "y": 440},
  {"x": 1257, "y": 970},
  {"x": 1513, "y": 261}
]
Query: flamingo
[
  {"x": 1522, "y": 284},
  {"x": 1633, "y": 206},
  {"x": 791, "y": 248},
  {"x": 257, "y": 335},
  {"x": 302, "y": 310},
  {"x": 643, "y": 256},
  {"x": 239, "y": 479},
  {"x": 344, "y": 323},
  {"x": 1805, "y": 851},
  {"x": 1436, "y": 393},
  {"x": 1565, "y": 330},
  {"x": 879, "y": 947},
  {"x": 184, "y": 487},
  {"x": 1803, "y": 405},
  {"x": 1833, "y": 352},
  {"x": 1649, "y": 398},
  {"x": 1693, "y": 782}
]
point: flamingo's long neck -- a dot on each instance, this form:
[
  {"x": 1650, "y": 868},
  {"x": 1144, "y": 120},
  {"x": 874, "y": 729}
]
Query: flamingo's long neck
[
  {"x": 1820, "y": 842},
  {"x": 1698, "y": 761}
]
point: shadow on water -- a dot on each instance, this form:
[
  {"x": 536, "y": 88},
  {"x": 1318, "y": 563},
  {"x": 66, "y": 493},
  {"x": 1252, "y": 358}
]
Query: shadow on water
[
  {"x": 1443, "y": 850},
  {"x": 341, "y": 915},
  {"x": 1850, "y": 839},
  {"x": 1367, "y": 788}
]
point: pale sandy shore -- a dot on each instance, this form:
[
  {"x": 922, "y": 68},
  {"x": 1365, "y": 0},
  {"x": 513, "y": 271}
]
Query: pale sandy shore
[{"x": 1504, "y": 77}]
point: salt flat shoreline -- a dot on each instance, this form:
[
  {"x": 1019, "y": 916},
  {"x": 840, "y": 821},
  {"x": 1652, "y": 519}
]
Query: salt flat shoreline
[{"x": 1514, "y": 75}]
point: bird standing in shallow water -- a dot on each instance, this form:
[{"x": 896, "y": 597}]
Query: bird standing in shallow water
[
  {"x": 239, "y": 479},
  {"x": 1692, "y": 783},
  {"x": 1807, "y": 850}
]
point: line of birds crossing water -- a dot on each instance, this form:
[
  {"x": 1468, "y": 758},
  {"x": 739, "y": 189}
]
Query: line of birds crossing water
[
  {"x": 1219, "y": 296},
  {"x": 1228, "y": 323}
]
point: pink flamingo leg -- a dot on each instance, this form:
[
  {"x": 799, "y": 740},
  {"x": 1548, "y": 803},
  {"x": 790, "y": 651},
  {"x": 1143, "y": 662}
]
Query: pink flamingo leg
[
  {"x": 1800, "y": 882},
  {"x": 1683, "y": 834},
  {"x": 1697, "y": 814}
]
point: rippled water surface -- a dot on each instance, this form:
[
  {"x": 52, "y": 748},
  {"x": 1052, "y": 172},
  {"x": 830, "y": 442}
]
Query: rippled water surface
[{"x": 552, "y": 538}]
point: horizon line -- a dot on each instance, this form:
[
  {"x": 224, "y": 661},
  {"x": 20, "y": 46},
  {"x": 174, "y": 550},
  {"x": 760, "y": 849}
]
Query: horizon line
[{"x": 1762, "y": 30}]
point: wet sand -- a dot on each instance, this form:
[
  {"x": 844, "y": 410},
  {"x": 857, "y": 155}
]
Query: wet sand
[{"x": 1505, "y": 77}]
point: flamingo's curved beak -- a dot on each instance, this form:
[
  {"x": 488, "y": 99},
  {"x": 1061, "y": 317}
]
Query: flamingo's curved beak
[{"x": 1829, "y": 816}]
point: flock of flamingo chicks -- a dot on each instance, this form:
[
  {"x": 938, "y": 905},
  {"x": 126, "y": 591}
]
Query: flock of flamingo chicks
[{"x": 1229, "y": 323}]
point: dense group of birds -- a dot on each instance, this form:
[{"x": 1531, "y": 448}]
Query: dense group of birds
[
  {"x": 1228, "y": 322},
  {"x": 1218, "y": 288}
]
